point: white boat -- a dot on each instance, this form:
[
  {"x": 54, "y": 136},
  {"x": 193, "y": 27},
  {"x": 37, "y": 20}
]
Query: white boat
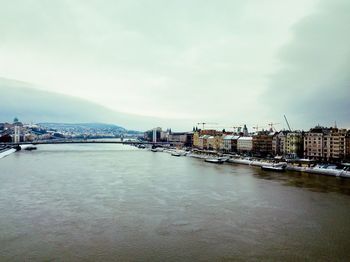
[
  {"x": 329, "y": 170},
  {"x": 345, "y": 174},
  {"x": 176, "y": 154},
  {"x": 196, "y": 156},
  {"x": 275, "y": 167},
  {"x": 243, "y": 161},
  {"x": 157, "y": 149},
  {"x": 216, "y": 160}
]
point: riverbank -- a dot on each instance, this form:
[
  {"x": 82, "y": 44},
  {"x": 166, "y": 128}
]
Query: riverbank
[
  {"x": 6, "y": 151},
  {"x": 318, "y": 169}
]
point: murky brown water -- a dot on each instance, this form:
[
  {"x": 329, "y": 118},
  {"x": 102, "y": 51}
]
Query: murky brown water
[{"x": 109, "y": 202}]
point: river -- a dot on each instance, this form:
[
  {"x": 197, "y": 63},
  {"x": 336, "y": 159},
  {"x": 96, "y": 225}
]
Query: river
[{"x": 119, "y": 203}]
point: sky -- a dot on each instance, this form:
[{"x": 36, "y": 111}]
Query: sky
[{"x": 182, "y": 62}]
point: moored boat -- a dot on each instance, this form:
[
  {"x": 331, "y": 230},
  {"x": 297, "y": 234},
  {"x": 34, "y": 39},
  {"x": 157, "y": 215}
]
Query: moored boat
[
  {"x": 274, "y": 167},
  {"x": 216, "y": 160},
  {"x": 175, "y": 154},
  {"x": 30, "y": 148}
]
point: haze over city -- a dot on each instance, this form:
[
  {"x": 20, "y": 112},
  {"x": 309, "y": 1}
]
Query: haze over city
[{"x": 173, "y": 64}]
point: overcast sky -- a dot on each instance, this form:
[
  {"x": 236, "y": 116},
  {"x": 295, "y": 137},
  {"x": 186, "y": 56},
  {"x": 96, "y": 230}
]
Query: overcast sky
[{"x": 229, "y": 62}]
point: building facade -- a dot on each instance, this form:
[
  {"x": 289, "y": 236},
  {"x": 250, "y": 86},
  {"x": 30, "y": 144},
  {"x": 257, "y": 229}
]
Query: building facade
[
  {"x": 229, "y": 143},
  {"x": 195, "y": 143},
  {"x": 17, "y": 135},
  {"x": 184, "y": 138},
  {"x": 294, "y": 144},
  {"x": 279, "y": 142},
  {"x": 347, "y": 146},
  {"x": 334, "y": 144},
  {"x": 262, "y": 144},
  {"x": 313, "y": 143},
  {"x": 326, "y": 144},
  {"x": 214, "y": 142},
  {"x": 203, "y": 142},
  {"x": 245, "y": 144}
]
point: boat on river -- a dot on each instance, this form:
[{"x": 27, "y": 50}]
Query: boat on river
[
  {"x": 216, "y": 160},
  {"x": 30, "y": 148},
  {"x": 157, "y": 149},
  {"x": 281, "y": 167},
  {"x": 176, "y": 154}
]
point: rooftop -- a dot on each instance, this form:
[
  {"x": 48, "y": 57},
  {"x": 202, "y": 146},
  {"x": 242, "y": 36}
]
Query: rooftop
[{"x": 247, "y": 138}]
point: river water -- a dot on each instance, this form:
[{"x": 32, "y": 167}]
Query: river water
[{"x": 118, "y": 203}]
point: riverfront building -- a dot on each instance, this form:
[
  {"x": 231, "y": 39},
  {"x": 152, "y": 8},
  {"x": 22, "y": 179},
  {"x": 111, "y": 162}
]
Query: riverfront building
[
  {"x": 334, "y": 147},
  {"x": 203, "y": 142},
  {"x": 215, "y": 142},
  {"x": 279, "y": 142},
  {"x": 262, "y": 143},
  {"x": 200, "y": 138},
  {"x": 245, "y": 144},
  {"x": 195, "y": 143},
  {"x": 185, "y": 138},
  {"x": 294, "y": 145},
  {"x": 327, "y": 144},
  {"x": 347, "y": 146},
  {"x": 164, "y": 135},
  {"x": 319, "y": 143},
  {"x": 153, "y": 134},
  {"x": 313, "y": 143},
  {"x": 17, "y": 134},
  {"x": 229, "y": 143}
]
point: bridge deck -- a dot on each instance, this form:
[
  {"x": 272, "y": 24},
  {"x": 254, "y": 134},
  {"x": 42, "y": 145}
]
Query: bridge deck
[{"x": 88, "y": 142}]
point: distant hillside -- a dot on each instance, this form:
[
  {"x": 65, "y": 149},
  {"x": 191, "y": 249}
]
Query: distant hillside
[
  {"x": 87, "y": 127},
  {"x": 82, "y": 125}
]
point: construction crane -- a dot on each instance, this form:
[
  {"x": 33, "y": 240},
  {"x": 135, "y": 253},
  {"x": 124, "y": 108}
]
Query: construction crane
[
  {"x": 271, "y": 125},
  {"x": 285, "y": 118},
  {"x": 234, "y": 128},
  {"x": 257, "y": 127},
  {"x": 206, "y": 123}
]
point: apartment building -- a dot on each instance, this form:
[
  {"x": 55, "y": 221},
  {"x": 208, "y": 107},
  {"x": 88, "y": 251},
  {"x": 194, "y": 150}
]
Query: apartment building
[
  {"x": 313, "y": 143},
  {"x": 229, "y": 143},
  {"x": 279, "y": 142},
  {"x": 334, "y": 144},
  {"x": 245, "y": 144},
  {"x": 262, "y": 144},
  {"x": 294, "y": 144}
]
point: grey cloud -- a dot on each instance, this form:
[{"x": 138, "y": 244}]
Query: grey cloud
[
  {"x": 204, "y": 60},
  {"x": 313, "y": 83}
]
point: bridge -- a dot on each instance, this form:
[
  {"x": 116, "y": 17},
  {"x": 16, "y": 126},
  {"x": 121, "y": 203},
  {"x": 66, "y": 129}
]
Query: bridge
[{"x": 56, "y": 142}]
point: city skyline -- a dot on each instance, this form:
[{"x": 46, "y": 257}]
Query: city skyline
[{"x": 174, "y": 66}]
